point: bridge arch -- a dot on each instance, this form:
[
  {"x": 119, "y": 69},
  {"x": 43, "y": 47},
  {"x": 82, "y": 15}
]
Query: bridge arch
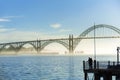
[
  {"x": 5, "y": 45},
  {"x": 57, "y": 41},
  {"x": 30, "y": 43},
  {"x": 84, "y": 33}
]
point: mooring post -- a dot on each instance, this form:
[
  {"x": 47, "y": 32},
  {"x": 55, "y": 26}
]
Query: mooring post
[
  {"x": 94, "y": 64},
  {"x": 85, "y": 76},
  {"x": 83, "y": 65},
  {"x": 96, "y": 76},
  {"x": 118, "y": 48}
]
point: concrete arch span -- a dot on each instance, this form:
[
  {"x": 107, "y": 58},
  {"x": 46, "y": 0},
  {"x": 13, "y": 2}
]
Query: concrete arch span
[
  {"x": 56, "y": 41},
  {"x": 87, "y": 31},
  {"x": 17, "y": 48},
  {"x": 5, "y": 45},
  {"x": 29, "y": 43}
]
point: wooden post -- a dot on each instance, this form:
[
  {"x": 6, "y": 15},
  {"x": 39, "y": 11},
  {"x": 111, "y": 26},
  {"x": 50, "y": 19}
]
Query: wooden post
[
  {"x": 108, "y": 63},
  {"x": 85, "y": 76},
  {"x": 94, "y": 64},
  {"x": 96, "y": 76},
  {"x": 83, "y": 65},
  {"x": 118, "y": 77},
  {"x": 118, "y": 48},
  {"x": 97, "y": 65},
  {"x": 107, "y": 76},
  {"x": 113, "y": 63}
]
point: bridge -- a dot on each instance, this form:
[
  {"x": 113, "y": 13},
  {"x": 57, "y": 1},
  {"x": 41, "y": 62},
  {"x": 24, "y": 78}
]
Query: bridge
[{"x": 69, "y": 43}]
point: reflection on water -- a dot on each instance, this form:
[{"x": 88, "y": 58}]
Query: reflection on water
[
  {"x": 71, "y": 68},
  {"x": 42, "y": 67}
]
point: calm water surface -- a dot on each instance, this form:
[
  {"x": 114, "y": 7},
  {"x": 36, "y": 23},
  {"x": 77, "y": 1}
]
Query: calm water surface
[{"x": 44, "y": 67}]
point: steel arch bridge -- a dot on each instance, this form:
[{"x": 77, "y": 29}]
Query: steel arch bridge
[{"x": 69, "y": 43}]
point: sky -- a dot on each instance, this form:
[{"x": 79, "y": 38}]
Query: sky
[{"x": 41, "y": 19}]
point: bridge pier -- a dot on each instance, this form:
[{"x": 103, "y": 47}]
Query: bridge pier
[
  {"x": 71, "y": 44},
  {"x": 38, "y": 46}
]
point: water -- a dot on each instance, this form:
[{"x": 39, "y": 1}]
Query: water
[{"x": 44, "y": 67}]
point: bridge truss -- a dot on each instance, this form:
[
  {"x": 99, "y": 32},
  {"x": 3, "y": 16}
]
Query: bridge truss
[{"x": 69, "y": 43}]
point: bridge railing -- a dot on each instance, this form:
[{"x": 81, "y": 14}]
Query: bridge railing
[{"x": 99, "y": 65}]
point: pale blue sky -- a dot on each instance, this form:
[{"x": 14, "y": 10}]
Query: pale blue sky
[{"x": 29, "y": 19}]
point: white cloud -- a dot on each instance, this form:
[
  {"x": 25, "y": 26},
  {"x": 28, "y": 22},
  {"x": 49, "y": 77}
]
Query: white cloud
[
  {"x": 4, "y": 20},
  {"x": 6, "y": 30},
  {"x": 56, "y": 25},
  {"x": 8, "y": 18},
  {"x": 65, "y": 30},
  {"x": 12, "y": 17}
]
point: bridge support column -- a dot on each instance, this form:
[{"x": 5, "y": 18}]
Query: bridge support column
[
  {"x": 71, "y": 44},
  {"x": 17, "y": 47},
  {"x": 38, "y": 46}
]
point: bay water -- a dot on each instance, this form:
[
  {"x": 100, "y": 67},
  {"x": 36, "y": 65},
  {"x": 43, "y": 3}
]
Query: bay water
[{"x": 44, "y": 67}]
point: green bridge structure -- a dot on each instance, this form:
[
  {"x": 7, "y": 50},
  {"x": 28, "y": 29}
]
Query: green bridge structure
[{"x": 69, "y": 43}]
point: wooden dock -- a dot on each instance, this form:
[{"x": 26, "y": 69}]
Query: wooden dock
[{"x": 101, "y": 69}]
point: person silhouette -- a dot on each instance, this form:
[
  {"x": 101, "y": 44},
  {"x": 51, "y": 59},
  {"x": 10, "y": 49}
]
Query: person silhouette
[{"x": 90, "y": 63}]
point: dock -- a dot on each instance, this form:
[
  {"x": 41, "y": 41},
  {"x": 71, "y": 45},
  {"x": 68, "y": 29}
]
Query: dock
[{"x": 102, "y": 70}]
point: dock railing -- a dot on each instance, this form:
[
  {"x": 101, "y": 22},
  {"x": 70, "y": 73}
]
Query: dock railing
[{"x": 99, "y": 64}]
